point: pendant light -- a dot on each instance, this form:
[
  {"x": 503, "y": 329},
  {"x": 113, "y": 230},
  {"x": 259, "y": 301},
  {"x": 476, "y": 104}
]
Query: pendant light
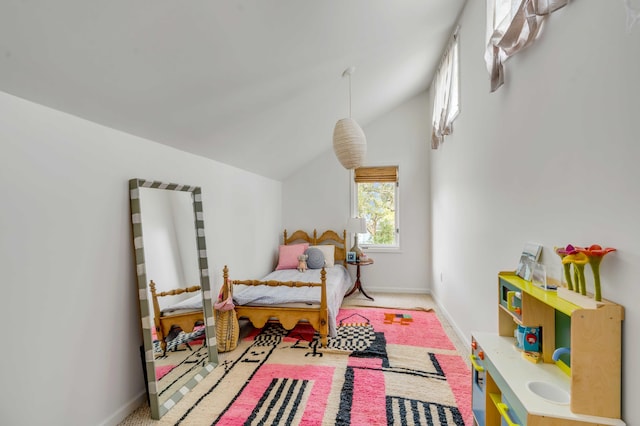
[{"x": 349, "y": 142}]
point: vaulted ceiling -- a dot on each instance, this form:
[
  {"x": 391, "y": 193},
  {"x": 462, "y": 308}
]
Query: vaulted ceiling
[{"x": 252, "y": 83}]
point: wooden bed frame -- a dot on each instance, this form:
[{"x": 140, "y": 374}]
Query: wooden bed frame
[
  {"x": 317, "y": 317},
  {"x": 186, "y": 320}
]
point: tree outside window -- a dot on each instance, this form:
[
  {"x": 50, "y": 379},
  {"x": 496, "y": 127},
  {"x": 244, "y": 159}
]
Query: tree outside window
[{"x": 377, "y": 202}]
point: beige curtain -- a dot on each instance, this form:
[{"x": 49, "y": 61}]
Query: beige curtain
[
  {"x": 514, "y": 33},
  {"x": 446, "y": 99},
  {"x": 633, "y": 14}
]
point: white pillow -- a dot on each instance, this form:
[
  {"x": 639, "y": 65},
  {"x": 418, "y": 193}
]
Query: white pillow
[{"x": 329, "y": 251}]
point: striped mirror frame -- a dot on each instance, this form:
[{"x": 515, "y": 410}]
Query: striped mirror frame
[{"x": 159, "y": 409}]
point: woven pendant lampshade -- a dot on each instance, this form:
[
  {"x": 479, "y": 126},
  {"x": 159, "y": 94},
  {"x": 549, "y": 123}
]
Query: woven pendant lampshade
[{"x": 349, "y": 141}]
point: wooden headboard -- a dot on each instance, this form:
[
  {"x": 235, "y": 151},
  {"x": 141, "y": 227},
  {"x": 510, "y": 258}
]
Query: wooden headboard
[{"x": 327, "y": 237}]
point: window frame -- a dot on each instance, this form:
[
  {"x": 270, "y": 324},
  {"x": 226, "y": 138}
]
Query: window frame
[{"x": 379, "y": 248}]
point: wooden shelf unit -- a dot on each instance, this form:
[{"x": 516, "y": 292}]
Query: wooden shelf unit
[{"x": 595, "y": 342}]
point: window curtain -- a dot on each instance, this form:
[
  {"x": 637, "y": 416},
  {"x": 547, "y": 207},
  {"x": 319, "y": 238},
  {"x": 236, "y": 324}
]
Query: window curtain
[
  {"x": 513, "y": 32},
  {"x": 446, "y": 101},
  {"x": 633, "y": 14}
]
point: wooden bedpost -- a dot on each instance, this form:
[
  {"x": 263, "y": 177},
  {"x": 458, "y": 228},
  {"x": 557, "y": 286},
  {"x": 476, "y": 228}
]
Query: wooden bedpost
[
  {"x": 156, "y": 308},
  {"x": 156, "y": 314},
  {"x": 324, "y": 318},
  {"x": 344, "y": 247},
  {"x": 225, "y": 274},
  {"x": 285, "y": 237}
]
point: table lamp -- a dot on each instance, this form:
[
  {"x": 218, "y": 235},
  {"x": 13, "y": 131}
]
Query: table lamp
[{"x": 357, "y": 225}]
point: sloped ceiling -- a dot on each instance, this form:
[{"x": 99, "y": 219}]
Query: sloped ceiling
[{"x": 254, "y": 84}]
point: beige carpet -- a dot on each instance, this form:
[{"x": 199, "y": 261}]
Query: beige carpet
[
  {"x": 141, "y": 416},
  {"x": 391, "y": 300}
]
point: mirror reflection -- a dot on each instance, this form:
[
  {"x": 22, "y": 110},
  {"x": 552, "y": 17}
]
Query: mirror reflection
[{"x": 174, "y": 289}]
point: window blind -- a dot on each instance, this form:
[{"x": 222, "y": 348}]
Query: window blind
[{"x": 376, "y": 174}]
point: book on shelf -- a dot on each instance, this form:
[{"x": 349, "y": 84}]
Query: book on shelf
[{"x": 529, "y": 257}]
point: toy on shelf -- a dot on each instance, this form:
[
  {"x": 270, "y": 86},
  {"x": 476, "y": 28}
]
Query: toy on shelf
[{"x": 578, "y": 257}]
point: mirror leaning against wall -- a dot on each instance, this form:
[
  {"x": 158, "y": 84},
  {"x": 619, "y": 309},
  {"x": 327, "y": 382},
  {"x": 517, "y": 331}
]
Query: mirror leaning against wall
[{"x": 176, "y": 311}]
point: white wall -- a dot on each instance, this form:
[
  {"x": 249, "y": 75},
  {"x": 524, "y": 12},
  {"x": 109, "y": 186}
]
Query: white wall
[
  {"x": 551, "y": 157},
  {"x": 70, "y": 315},
  {"x": 317, "y": 196}
]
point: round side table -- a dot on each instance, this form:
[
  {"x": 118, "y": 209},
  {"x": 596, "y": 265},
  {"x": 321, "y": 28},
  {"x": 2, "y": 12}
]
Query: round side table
[{"x": 358, "y": 283}]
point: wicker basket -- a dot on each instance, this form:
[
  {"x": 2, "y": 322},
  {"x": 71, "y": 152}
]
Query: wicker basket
[{"x": 227, "y": 327}]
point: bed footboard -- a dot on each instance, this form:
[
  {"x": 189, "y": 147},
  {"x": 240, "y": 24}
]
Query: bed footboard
[
  {"x": 317, "y": 317},
  {"x": 163, "y": 324}
]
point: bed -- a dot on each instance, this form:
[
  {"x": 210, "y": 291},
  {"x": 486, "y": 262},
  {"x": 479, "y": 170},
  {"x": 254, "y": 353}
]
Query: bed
[
  {"x": 184, "y": 314},
  {"x": 289, "y": 296}
]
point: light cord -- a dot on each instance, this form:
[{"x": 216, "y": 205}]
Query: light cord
[{"x": 349, "y": 95}]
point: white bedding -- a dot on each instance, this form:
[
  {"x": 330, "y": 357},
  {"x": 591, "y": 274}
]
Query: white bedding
[
  {"x": 338, "y": 283},
  {"x": 194, "y": 302}
]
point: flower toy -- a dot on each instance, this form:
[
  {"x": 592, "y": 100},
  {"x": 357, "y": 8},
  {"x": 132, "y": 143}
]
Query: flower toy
[
  {"x": 562, "y": 252},
  {"x": 579, "y": 260},
  {"x": 594, "y": 255}
]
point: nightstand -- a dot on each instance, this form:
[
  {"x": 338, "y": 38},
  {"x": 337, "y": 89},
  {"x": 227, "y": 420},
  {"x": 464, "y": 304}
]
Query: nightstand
[{"x": 358, "y": 283}]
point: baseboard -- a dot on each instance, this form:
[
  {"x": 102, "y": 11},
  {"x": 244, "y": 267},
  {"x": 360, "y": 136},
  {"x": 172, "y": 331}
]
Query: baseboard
[
  {"x": 463, "y": 338},
  {"x": 125, "y": 410},
  {"x": 403, "y": 290}
]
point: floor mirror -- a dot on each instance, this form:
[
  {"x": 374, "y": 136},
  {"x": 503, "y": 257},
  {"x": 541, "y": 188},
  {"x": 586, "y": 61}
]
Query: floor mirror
[{"x": 178, "y": 329}]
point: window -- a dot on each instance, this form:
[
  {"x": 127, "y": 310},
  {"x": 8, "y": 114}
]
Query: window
[
  {"x": 446, "y": 99},
  {"x": 376, "y": 200}
]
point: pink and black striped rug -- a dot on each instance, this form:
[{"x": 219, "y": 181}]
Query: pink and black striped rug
[{"x": 386, "y": 367}]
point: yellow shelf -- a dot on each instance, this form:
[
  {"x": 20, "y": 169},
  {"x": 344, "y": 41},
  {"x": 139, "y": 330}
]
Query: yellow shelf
[{"x": 548, "y": 297}]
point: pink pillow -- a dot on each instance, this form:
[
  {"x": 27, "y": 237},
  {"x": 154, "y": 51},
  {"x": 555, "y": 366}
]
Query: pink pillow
[{"x": 288, "y": 258}]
